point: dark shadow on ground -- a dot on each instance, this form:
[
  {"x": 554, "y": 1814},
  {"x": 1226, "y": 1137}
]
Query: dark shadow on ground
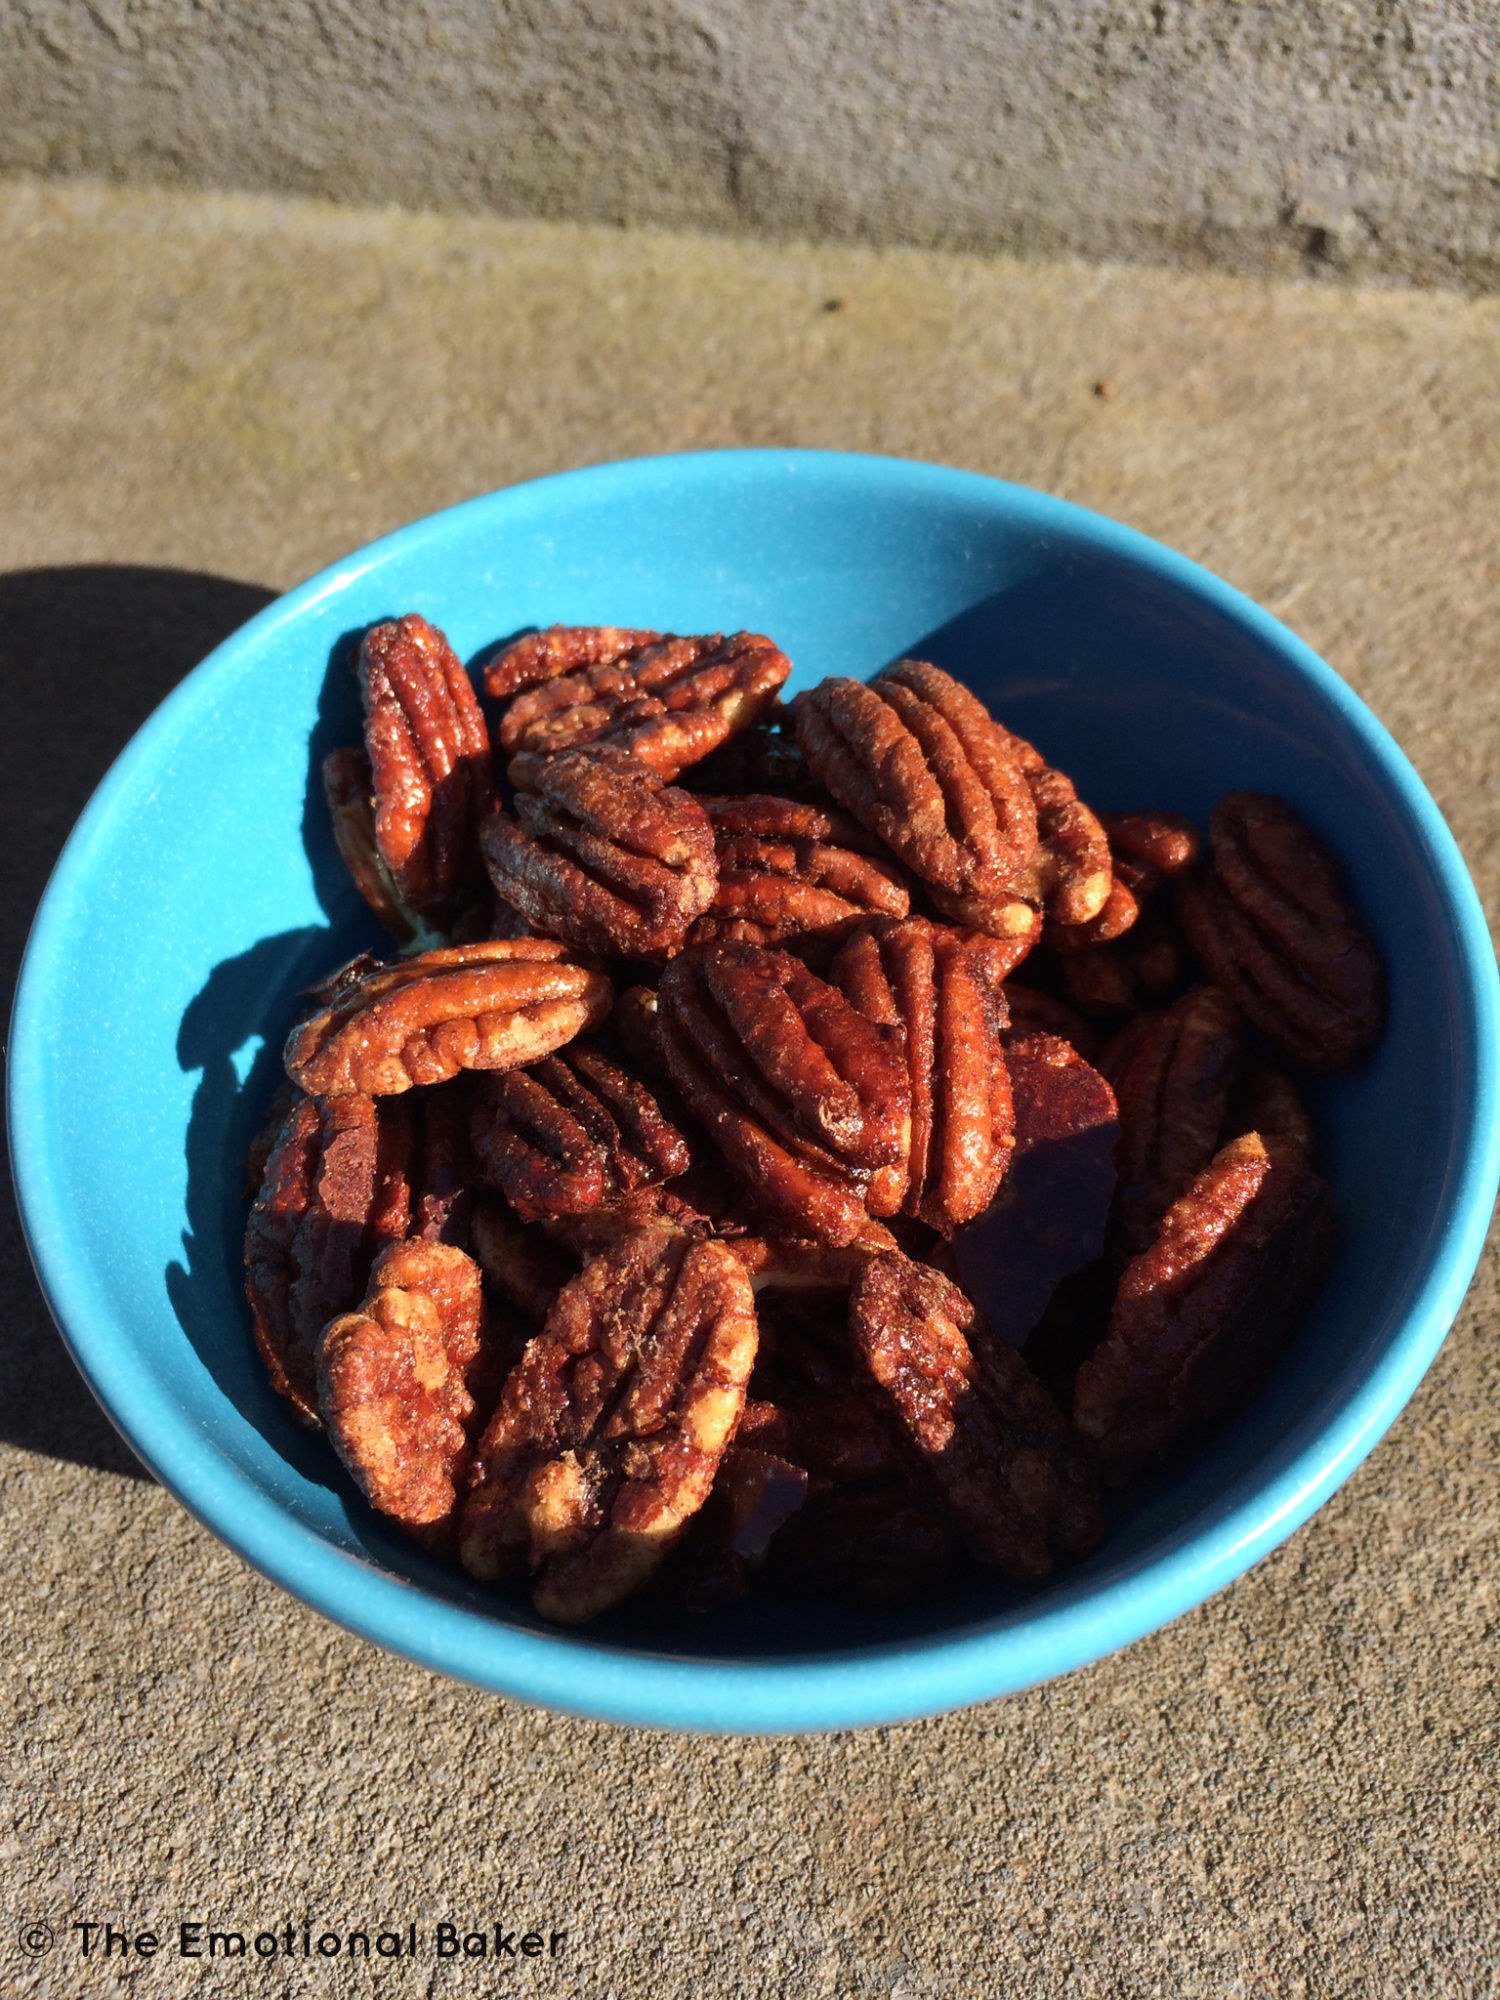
[{"x": 86, "y": 654}]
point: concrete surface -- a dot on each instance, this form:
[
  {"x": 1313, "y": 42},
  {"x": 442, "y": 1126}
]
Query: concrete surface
[
  {"x": 1291, "y": 1791},
  {"x": 1359, "y": 137}
]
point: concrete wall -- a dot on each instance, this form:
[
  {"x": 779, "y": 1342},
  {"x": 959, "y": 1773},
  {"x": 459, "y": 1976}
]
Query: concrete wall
[{"x": 1361, "y": 139}]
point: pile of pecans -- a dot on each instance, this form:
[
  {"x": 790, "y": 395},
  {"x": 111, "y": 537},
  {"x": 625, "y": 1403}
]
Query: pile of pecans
[{"x": 624, "y": 1231}]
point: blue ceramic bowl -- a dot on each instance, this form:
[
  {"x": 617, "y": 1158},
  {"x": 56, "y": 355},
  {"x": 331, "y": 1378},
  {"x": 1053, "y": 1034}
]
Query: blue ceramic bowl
[{"x": 201, "y": 891}]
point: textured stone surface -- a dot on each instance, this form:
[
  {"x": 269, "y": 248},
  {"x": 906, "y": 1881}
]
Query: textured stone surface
[
  {"x": 1361, "y": 139},
  {"x": 1292, "y": 1790}
]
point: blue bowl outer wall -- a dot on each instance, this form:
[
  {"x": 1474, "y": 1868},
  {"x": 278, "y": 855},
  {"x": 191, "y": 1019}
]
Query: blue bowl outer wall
[{"x": 849, "y": 561}]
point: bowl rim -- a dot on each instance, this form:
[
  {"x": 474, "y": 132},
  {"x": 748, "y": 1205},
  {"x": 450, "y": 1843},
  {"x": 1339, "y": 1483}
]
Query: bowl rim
[{"x": 878, "y": 1684}]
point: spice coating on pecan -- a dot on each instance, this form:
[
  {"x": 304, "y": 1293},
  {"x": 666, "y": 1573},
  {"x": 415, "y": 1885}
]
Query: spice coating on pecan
[
  {"x": 1202, "y": 1313},
  {"x": 670, "y": 701},
  {"x": 572, "y": 1131},
  {"x": 494, "y": 1005},
  {"x": 784, "y": 875},
  {"x": 804, "y": 1096},
  {"x": 1172, "y": 1079},
  {"x": 603, "y": 853},
  {"x": 611, "y": 1428},
  {"x": 335, "y": 1190},
  {"x": 942, "y": 989},
  {"x": 561, "y": 649},
  {"x": 393, "y": 1383},
  {"x": 986, "y": 1433},
  {"x": 430, "y": 763},
  {"x": 1270, "y": 921}
]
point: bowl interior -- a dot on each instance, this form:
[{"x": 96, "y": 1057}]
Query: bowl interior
[{"x": 202, "y": 890}]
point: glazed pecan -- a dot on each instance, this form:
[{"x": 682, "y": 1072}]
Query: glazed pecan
[
  {"x": 572, "y": 1131},
  {"x": 1201, "y": 1314},
  {"x": 429, "y": 757},
  {"x": 1273, "y": 926},
  {"x": 602, "y": 853},
  {"x": 804, "y": 1097},
  {"x": 349, "y": 793},
  {"x": 394, "y": 1383},
  {"x": 1049, "y": 1217},
  {"x": 941, "y": 990},
  {"x": 783, "y": 874},
  {"x": 1068, "y": 872},
  {"x": 495, "y": 1005},
  {"x": 1105, "y": 971},
  {"x": 1172, "y": 1073},
  {"x": 986, "y": 1433},
  {"x": 668, "y": 700},
  {"x": 931, "y": 778},
  {"x": 1265, "y": 1100},
  {"x": 336, "y": 1189},
  {"x": 610, "y": 1431}
]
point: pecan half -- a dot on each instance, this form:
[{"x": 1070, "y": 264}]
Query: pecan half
[
  {"x": 932, "y": 779},
  {"x": 1200, "y": 1316},
  {"x": 393, "y": 1382},
  {"x": 1172, "y": 1076},
  {"x": 572, "y": 1131},
  {"x": 1048, "y": 1220},
  {"x": 495, "y": 1005},
  {"x": 336, "y": 1189},
  {"x": 986, "y": 1433},
  {"x": 602, "y": 853},
  {"x": 1271, "y": 922},
  {"x": 349, "y": 794},
  {"x": 942, "y": 990},
  {"x": 610, "y": 1430},
  {"x": 783, "y": 875},
  {"x": 1069, "y": 870},
  {"x": 668, "y": 700},
  {"x": 430, "y": 766},
  {"x": 804, "y": 1097}
]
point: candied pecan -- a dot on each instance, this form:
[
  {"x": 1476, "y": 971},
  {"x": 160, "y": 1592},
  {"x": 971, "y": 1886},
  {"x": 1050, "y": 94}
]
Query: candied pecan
[
  {"x": 1273, "y": 926},
  {"x": 602, "y": 853},
  {"x": 1265, "y": 1100},
  {"x": 1150, "y": 847},
  {"x": 986, "y": 1433},
  {"x": 1172, "y": 1079},
  {"x": 1068, "y": 870},
  {"x": 610, "y": 1431},
  {"x": 518, "y": 1261},
  {"x": 349, "y": 793},
  {"x": 561, "y": 649},
  {"x": 804, "y": 1096},
  {"x": 1200, "y": 1316},
  {"x": 783, "y": 877},
  {"x": 572, "y": 1131},
  {"x": 494, "y": 1005},
  {"x": 394, "y": 1382},
  {"x": 668, "y": 700},
  {"x": 942, "y": 989},
  {"x": 335, "y": 1190},
  {"x": 934, "y": 783},
  {"x": 1049, "y": 1217},
  {"x": 430, "y": 767},
  {"x": 592, "y": 1231}
]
